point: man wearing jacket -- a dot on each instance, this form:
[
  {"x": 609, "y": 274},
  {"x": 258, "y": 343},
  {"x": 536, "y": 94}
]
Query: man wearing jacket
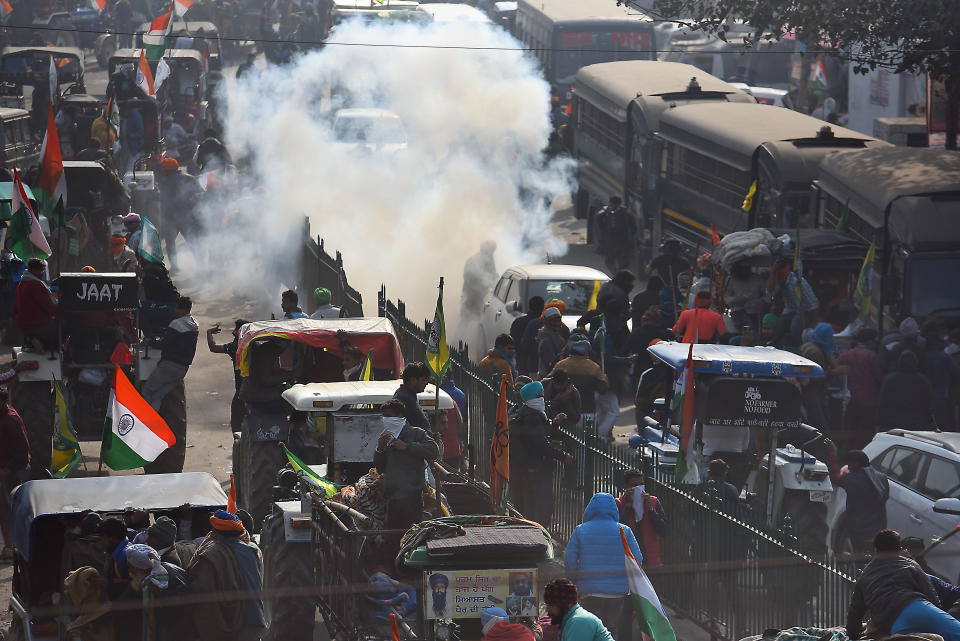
[
  {"x": 576, "y": 624},
  {"x": 594, "y": 556},
  {"x": 34, "y": 310},
  {"x": 403, "y": 453},
  {"x": 177, "y": 349},
  {"x": 898, "y": 596},
  {"x": 643, "y": 514}
]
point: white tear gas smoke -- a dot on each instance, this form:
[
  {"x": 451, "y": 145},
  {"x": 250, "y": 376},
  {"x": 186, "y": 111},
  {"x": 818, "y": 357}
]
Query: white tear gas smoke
[{"x": 476, "y": 124}]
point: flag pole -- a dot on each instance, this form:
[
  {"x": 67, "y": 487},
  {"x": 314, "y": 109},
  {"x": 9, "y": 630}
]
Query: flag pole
[{"x": 436, "y": 417}]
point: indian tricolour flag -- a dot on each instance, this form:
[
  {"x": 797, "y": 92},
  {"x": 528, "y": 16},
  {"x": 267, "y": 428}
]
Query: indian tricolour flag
[
  {"x": 158, "y": 38},
  {"x": 133, "y": 434},
  {"x": 646, "y": 604},
  {"x": 683, "y": 413}
]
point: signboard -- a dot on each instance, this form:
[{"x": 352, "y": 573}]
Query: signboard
[
  {"x": 92, "y": 292},
  {"x": 462, "y": 594},
  {"x": 751, "y": 402},
  {"x": 617, "y": 39},
  {"x": 355, "y": 437}
]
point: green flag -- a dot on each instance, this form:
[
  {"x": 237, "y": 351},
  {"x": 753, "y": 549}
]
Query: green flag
[
  {"x": 309, "y": 476},
  {"x": 864, "y": 293},
  {"x": 438, "y": 354},
  {"x": 21, "y": 227},
  {"x": 150, "y": 247}
]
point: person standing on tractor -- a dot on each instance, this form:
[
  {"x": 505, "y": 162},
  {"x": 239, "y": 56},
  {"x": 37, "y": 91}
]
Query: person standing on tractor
[
  {"x": 237, "y": 406},
  {"x": 14, "y": 465},
  {"x": 177, "y": 349},
  {"x": 403, "y": 453},
  {"x": 415, "y": 377},
  {"x": 179, "y": 195},
  {"x": 700, "y": 324},
  {"x": 325, "y": 309},
  {"x": 290, "y": 304},
  {"x": 618, "y": 234},
  {"x": 34, "y": 310}
]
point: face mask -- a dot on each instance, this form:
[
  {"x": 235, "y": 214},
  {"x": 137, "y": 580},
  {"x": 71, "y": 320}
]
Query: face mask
[
  {"x": 537, "y": 404},
  {"x": 393, "y": 424}
]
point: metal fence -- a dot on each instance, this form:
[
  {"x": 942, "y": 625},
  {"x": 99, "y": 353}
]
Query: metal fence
[{"x": 319, "y": 269}]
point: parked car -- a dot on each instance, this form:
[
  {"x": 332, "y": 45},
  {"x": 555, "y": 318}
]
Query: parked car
[
  {"x": 573, "y": 284},
  {"x": 922, "y": 467}
]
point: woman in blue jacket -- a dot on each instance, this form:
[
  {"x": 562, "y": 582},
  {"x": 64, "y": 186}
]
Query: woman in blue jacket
[{"x": 595, "y": 561}]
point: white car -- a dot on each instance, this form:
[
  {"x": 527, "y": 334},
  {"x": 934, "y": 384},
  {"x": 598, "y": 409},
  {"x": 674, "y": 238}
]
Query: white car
[
  {"x": 922, "y": 467},
  {"x": 367, "y": 128},
  {"x": 573, "y": 284}
]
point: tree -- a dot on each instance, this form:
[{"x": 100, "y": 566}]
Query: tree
[{"x": 920, "y": 36}]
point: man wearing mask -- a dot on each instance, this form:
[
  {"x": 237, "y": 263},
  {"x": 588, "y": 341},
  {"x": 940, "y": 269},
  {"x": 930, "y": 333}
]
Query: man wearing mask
[
  {"x": 644, "y": 515},
  {"x": 403, "y": 453},
  {"x": 531, "y": 453},
  {"x": 501, "y": 359},
  {"x": 123, "y": 257},
  {"x": 550, "y": 341}
]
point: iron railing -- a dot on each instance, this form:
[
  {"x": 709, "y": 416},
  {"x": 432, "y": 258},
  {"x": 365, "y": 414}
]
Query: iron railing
[{"x": 320, "y": 269}]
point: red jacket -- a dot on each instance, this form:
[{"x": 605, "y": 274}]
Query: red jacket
[
  {"x": 647, "y": 537},
  {"x": 33, "y": 305},
  {"x": 14, "y": 446},
  {"x": 699, "y": 325}
]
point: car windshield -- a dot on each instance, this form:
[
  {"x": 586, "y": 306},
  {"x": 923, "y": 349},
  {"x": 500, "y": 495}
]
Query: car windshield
[
  {"x": 373, "y": 130},
  {"x": 926, "y": 292},
  {"x": 578, "y": 49},
  {"x": 574, "y": 293}
]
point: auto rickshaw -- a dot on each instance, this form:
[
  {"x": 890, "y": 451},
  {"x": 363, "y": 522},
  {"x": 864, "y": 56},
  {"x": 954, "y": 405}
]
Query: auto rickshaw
[{"x": 45, "y": 516}]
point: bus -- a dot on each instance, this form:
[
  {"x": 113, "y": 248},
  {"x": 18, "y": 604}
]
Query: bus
[
  {"x": 567, "y": 35},
  {"x": 907, "y": 201},
  {"x": 616, "y": 112},
  {"x": 732, "y": 167}
]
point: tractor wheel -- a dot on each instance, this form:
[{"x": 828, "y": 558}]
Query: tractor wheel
[
  {"x": 287, "y": 583},
  {"x": 261, "y": 461},
  {"x": 33, "y": 400}
]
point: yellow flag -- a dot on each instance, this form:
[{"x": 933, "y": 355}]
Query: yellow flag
[
  {"x": 748, "y": 200},
  {"x": 366, "y": 374},
  {"x": 438, "y": 354},
  {"x": 593, "y": 295},
  {"x": 66, "y": 445}
]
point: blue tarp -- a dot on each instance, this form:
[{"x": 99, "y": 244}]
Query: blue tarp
[{"x": 732, "y": 360}]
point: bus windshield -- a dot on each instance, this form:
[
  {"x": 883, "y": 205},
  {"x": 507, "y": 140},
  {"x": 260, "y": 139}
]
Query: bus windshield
[
  {"x": 576, "y": 49},
  {"x": 926, "y": 292}
]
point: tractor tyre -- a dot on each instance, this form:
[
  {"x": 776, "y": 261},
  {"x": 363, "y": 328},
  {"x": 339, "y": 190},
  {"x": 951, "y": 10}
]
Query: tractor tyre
[
  {"x": 33, "y": 400},
  {"x": 261, "y": 461},
  {"x": 287, "y": 584}
]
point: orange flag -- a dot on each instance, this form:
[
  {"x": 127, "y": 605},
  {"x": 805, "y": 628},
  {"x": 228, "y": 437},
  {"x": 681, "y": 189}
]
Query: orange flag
[
  {"x": 394, "y": 628},
  {"x": 500, "y": 454},
  {"x": 714, "y": 235},
  {"x": 232, "y": 497}
]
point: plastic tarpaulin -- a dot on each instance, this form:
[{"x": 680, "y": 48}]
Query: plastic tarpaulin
[
  {"x": 733, "y": 359},
  {"x": 52, "y": 497},
  {"x": 364, "y": 333}
]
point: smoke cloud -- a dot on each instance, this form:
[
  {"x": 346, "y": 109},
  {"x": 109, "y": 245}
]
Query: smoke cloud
[{"x": 476, "y": 122}]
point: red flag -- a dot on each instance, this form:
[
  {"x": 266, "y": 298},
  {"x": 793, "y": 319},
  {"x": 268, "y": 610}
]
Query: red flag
[
  {"x": 715, "y": 236},
  {"x": 500, "y": 454},
  {"x": 232, "y": 497},
  {"x": 121, "y": 355}
]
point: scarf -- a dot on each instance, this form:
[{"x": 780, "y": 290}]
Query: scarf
[{"x": 509, "y": 359}]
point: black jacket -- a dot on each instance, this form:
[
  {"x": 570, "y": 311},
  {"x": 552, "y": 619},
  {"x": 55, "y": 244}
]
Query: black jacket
[
  {"x": 179, "y": 343},
  {"x": 887, "y": 585},
  {"x": 403, "y": 473},
  {"x": 413, "y": 412},
  {"x": 530, "y": 446}
]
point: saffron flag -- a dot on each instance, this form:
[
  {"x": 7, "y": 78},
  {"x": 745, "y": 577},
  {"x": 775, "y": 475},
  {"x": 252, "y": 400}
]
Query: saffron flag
[
  {"x": 133, "y": 433},
  {"x": 683, "y": 411},
  {"x": 438, "y": 354},
  {"x": 158, "y": 38},
  {"x": 748, "y": 199},
  {"x": 394, "y": 628},
  {"x": 144, "y": 76},
  {"x": 309, "y": 476},
  {"x": 26, "y": 238},
  {"x": 232, "y": 497},
  {"x": 500, "y": 454},
  {"x": 5, "y": 8},
  {"x": 646, "y": 604},
  {"x": 52, "y": 181},
  {"x": 863, "y": 295},
  {"x": 149, "y": 248},
  {"x": 66, "y": 446},
  {"x": 366, "y": 373},
  {"x": 98, "y": 5},
  {"x": 819, "y": 76},
  {"x": 121, "y": 354},
  {"x": 714, "y": 236}
]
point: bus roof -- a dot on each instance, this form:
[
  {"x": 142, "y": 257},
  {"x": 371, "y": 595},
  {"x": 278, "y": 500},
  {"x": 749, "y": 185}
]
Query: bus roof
[
  {"x": 732, "y": 132},
  {"x": 582, "y": 9},
  {"x": 920, "y": 187},
  {"x": 612, "y": 85}
]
